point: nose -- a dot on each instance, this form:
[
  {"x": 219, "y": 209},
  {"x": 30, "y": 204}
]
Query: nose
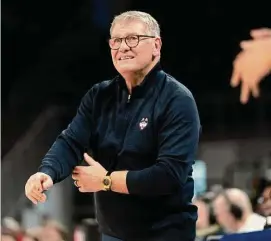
[{"x": 123, "y": 46}]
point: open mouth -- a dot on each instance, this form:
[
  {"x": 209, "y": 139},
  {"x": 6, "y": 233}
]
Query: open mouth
[{"x": 126, "y": 57}]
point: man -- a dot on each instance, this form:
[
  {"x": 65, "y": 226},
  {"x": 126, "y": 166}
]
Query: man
[
  {"x": 233, "y": 211},
  {"x": 263, "y": 205},
  {"x": 206, "y": 223},
  {"x": 143, "y": 130},
  {"x": 252, "y": 64},
  {"x": 7, "y": 235},
  {"x": 264, "y": 201},
  {"x": 53, "y": 231}
]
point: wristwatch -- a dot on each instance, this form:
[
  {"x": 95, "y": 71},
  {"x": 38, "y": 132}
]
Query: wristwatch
[{"x": 107, "y": 182}]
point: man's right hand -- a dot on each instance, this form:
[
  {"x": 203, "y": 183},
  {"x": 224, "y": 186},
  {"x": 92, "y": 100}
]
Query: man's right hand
[
  {"x": 36, "y": 185},
  {"x": 260, "y": 33},
  {"x": 252, "y": 64}
]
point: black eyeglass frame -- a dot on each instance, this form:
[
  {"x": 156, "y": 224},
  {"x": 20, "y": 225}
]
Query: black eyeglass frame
[{"x": 139, "y": 38}]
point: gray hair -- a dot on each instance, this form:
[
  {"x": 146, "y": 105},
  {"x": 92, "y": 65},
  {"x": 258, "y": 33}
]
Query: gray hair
[{"x": 152, "y": 25}]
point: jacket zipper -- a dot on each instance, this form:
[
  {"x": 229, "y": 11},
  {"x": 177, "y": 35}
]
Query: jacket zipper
[{"x": 129, "y": 98}]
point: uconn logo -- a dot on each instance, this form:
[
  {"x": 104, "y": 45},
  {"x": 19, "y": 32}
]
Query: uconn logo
[{"x": 143, "y": 123}]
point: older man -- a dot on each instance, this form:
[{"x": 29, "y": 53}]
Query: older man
[
  {"x": 143, "y": 129},
  {"x": 234, "y": 213}
]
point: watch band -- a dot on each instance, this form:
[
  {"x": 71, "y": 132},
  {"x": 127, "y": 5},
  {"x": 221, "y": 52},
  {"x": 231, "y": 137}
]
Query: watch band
[
  {"x": 107, "y": 182},
  {"x": 109, "y": 173}
]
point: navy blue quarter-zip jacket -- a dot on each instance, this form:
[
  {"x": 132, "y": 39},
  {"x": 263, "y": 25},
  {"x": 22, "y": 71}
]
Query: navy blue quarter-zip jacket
[{"x": 153, "y": 133}]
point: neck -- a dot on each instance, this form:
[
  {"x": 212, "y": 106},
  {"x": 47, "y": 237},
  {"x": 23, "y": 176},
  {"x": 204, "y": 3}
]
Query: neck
[{"x": 136, "y": 78}]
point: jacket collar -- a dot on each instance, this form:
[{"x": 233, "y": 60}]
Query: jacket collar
[{"x": 150, "y": 80}]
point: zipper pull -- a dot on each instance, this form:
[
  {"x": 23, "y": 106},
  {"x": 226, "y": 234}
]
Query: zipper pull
[{"x": 129, "y": 98}]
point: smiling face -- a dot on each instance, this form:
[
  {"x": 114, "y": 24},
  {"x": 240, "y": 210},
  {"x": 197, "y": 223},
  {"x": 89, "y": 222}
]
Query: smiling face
[{"x": 130, "y": 61}]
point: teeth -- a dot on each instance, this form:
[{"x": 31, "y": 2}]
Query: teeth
[{"x": 126, "y": 57}]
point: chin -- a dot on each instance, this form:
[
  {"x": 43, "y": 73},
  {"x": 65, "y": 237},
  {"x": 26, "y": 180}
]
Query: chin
[{"x": 127, "y": 68}]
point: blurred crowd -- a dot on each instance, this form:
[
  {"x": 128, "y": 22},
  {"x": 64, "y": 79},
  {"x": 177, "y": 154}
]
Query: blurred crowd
[
  {"x": 220, "y": 211},
  {"x": 232, "y": 210},
  {"x": 50, "y": 230}
]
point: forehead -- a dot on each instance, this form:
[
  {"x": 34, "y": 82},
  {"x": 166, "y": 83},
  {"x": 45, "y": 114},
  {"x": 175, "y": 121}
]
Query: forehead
[{"x": 124, "y": 28}]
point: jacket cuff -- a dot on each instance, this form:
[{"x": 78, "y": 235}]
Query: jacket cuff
[
  {"x": 49, "y": 171},
  {"x": 132, "y": 182}
]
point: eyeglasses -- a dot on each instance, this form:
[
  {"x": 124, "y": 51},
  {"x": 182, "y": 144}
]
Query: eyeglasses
[
  {"x": 131, "y": 41},
  {"x": 263, "y": 200}
]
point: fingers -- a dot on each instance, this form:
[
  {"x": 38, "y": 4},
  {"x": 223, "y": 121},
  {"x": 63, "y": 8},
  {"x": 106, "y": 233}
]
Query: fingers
[
  {"x": 33, "y": 200},
  {"x": 37, "y": 196},
  {"x": 47, "y": 184},
  {"x": 75, "y": 176},
  {"x": 246, "y": 89},
  {"x": 260, "y": 33},
  {"x": 76, "y": 183},
  {"x": 33, "y": 190},
  {"x": 257, "y": 45},
  {"x": 78, "y": 169},
  {"x": 89, "y": 159},
  {"x": 255, "y": 91},
  {"x": 247, "y": 44},
  {"x": 81, "y": 189},
  {"x": 245, "y": 92},
  {"x": 235, "y": 78},
  {"x": 241, "y": 76},
  {"x": 243, "y": 67}
]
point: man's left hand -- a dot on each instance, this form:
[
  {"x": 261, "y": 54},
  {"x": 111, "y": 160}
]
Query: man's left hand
[{"x": 89, "y": 178}]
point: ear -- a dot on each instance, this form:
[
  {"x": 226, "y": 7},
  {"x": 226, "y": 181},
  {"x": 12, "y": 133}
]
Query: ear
[{"x": 157, "y": 47}]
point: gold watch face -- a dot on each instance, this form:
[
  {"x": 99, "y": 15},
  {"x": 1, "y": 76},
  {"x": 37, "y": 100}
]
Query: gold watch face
[{"x": 107, "y": 183}]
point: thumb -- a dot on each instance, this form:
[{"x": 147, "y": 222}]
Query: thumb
[
  {"x": 89, "y": 160},
  {"x": 247, "y": 44},
  {"x": 46, "y": 181},
  {"x": 260, "y": 33}
]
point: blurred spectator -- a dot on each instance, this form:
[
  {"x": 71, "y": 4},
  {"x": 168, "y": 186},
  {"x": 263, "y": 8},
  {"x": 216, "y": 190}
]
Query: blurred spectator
[
  {"x": 11, "y": 224},
  {"x": 264, "y": 201},
  {"x": 50, "y": 230},
  {"x": 200, "y": 177},
  {"x": 234, "y": 213},
  {"x": 53, "y": 231},
  {"x": 263, "y": 205},
  {"x": 7, "y": 235},
  {"x": 27, "y": 237},
  {"x": 206, "y": 223},
  {"x": 32, "y": 234},
  {"x": 12, "y": 228}
]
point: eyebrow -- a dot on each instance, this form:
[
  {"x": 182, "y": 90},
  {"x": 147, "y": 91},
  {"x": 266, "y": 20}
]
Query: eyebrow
[{"x": 133, "y": 33}]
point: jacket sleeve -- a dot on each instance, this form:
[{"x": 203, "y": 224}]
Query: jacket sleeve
[
  {"x": 69, "y": 147},
  {"x": 178, "y": 142}
]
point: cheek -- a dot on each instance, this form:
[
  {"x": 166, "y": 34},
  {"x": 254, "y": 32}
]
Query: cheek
[
  {"x": 145, "y": 55},
  {"x": 113, "y": 55}
]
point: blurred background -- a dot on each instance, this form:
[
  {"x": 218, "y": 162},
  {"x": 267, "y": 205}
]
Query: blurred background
[{"x": 54, "y": 51}]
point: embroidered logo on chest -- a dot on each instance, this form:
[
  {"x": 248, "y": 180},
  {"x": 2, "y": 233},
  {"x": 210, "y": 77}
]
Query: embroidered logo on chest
[{"x": 143, "y": 123}]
